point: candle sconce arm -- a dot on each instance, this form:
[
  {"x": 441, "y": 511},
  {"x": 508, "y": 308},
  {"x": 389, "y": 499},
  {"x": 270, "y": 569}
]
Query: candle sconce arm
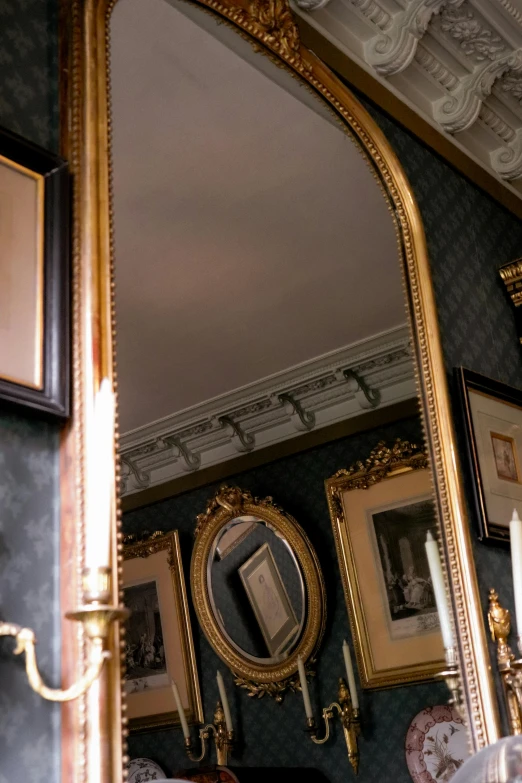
[
  {"x": 350, "y": 722},
  {"x": 204, "y": 734},
  {"x": 223, "y": 739},
  {"x": 96, "y": 622}
]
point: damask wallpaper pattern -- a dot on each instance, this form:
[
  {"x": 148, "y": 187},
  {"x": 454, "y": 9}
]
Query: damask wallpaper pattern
[
  {"x": 271, "y": 735},
  {"x": 29, "y": 596},
  {"x": 29, "y": 488}
]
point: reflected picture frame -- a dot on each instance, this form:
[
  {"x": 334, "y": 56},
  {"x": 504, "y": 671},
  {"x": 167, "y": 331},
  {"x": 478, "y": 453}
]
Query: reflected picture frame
[
  {"x": 491, "y": 429},
  {"x": 159, "y": 640},
  {"x": 392, "y": 486},
  {"x": 276, "y": 617},
  {"x": 34, "y": 278}
]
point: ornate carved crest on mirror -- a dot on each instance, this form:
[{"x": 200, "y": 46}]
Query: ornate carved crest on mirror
[
  {"x": 240, "y": 537},
  {"x": 270, "y": 27}
]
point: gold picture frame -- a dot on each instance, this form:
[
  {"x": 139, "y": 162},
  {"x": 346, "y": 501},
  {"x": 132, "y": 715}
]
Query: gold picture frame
[
  {"x": 159, "y": 645},
  {"x": 381, "y": 511},
  {"x": 281, "y": 625}
]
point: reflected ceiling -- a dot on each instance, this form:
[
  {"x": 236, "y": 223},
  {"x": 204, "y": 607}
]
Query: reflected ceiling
[{"x": 250, "y": 234}]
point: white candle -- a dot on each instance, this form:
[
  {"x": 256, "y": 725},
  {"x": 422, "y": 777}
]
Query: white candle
[
  {"x": 515, "y": 532},
  {"x": 439, "y": 588},
  {"x": 350, "y": 675},
  {"x": 100, "y": 479},
  {"x": 181, "y": 711},
  {"x": 224, "y": 702},
  {"x": 304, "y": 688}
]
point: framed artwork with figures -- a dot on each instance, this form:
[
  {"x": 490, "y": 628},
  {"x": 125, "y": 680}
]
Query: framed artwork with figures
[
  {"x": 491, "y": 420},
  {"x": 159, "y": 645},
  {"x": 381, "y": 511}
]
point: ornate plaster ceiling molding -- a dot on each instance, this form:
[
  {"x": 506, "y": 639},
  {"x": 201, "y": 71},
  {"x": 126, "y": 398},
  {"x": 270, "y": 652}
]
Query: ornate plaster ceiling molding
[
  {"x": 335, "y": 387},
  {"x": 457, "y": 63}
]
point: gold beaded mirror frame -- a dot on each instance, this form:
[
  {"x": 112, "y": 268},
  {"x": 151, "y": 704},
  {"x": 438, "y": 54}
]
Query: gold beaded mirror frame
[{"x": 93, "y": 727}]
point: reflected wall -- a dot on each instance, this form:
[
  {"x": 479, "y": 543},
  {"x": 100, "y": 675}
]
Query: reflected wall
[{"x": 271, "y": 735}]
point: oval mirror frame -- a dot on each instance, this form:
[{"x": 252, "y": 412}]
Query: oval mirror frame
[
  {"x": 272, "y": 679},
  {"x": 93, "y": 730}
]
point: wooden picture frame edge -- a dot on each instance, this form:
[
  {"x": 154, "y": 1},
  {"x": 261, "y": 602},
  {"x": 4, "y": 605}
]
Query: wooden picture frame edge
[
  {"x": 53, "y": 399},
  {"x": 488, "y": 532}
]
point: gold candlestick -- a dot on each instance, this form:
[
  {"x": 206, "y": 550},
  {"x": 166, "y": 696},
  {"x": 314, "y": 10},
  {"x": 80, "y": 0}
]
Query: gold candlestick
[
  {"x": 510, "y": 669},
  {"x": 223, "y": 739},
  {"x": 350, "y": 722}
]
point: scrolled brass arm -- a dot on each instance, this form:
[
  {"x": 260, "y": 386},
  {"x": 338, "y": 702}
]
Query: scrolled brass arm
[
  {"x": 96, "y": 621},
  {"x": 26, "y": 642}
]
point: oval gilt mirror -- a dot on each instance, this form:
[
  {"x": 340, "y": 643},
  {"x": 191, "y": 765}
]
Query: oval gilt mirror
[{"x": 258, "y": 591}]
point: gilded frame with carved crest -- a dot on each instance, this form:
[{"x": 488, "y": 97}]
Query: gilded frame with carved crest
[
  {"x": 377, "y": 506},
  {"x": 94, "y": 729}
]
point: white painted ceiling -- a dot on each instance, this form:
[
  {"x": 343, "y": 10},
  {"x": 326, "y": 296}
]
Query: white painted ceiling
[{"x": 250, "y": 233}]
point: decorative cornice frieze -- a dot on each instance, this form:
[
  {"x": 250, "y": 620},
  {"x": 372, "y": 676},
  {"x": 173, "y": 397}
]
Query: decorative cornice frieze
[
  {"x": 457, "y": 63},
  {"x": 497, "y": 124},
  {"x": 460, "y": 109},
  {"x": 335, "y": 387},
  {"x": 373, "y": 12},
  {"x": 507, "y": 160},
  {"x": 433, "y": 66},
  {"x": 393, "y": 50},
  {"x": 475, "y": 39}
]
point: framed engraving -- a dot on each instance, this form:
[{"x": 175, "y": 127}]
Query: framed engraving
[
  {"x": 492, "y": 429},
  {"x": 381, "y": 510},
  {"x": 269, "y": 600},
  {"x": 159, "y": 645}
]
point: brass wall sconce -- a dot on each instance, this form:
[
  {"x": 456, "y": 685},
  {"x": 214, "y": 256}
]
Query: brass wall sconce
[
  {"x": 96, "y": 616},
  {"x": 349, "y": 717},
  {"x": 510, "y": 668},
  {"x": 452, "y": 677},
  {"x": 223, "y": 739}
]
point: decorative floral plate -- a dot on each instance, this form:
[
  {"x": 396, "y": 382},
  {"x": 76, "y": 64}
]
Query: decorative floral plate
[
  {"x": 142, "y": 770},
  {"x": 436, "y": 745}
]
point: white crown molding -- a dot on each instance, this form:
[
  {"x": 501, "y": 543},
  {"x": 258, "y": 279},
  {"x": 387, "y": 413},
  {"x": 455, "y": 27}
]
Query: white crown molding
[
  {"x": 334, "y": 387},
  {"x": 456, "y": 63}
]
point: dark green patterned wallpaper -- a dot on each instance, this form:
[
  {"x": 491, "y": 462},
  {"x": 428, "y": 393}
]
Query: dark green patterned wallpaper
[
  {"x": 29, "y": 481},
  {"x": 272, "y": 735},
  {"x": 29, "y": 69}
]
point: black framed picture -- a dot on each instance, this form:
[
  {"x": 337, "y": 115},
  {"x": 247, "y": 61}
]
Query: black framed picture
[
  {"x": 34, "y": 278},
  {"x": 492, "y": 426}
]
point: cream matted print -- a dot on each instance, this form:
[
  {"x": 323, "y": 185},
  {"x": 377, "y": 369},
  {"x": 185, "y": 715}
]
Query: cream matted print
[{"x": 21, "y": 275}]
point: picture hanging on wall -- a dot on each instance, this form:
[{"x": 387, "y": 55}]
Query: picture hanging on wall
[
  {"x": 34, "y": 277},
  {"x": 492, "y": 427},
  {"x": 381, "y": 510},
  {"x": 159, "y": 645}
]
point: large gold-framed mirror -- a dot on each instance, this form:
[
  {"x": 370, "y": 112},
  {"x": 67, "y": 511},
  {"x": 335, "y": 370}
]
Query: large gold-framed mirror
[{"x": 272, "y": 30}]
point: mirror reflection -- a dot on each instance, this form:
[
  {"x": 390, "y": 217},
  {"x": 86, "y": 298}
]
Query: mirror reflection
[
  {"x": 264, "y": 341},
  {"x": 256, "y": 589}
]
